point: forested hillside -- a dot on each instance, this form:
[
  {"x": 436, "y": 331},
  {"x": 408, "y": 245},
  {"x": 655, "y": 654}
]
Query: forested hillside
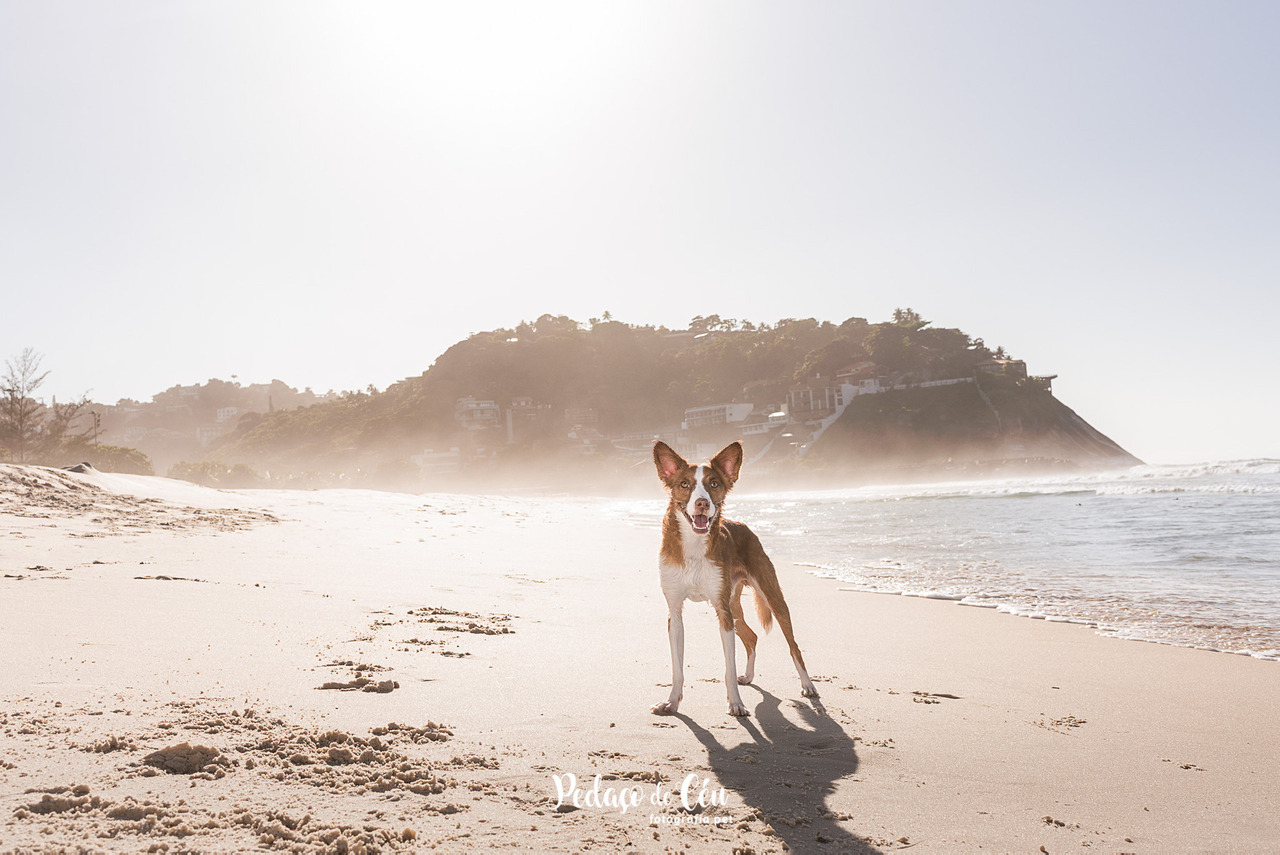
[
  {"x": 629, "y": 380},
  {"x": 555, "y": 395}
]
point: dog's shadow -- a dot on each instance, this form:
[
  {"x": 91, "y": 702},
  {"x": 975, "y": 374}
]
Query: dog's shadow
[{"x": 789, "y": 773}]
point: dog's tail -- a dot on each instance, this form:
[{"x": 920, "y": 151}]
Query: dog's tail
[{"x": 762, "y": 610}]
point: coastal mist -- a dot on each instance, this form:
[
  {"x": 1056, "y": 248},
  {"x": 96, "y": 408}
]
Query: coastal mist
[{"x": 1183, "y": 555}]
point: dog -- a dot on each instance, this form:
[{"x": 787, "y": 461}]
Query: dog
[{"x": 707, "y": 558}]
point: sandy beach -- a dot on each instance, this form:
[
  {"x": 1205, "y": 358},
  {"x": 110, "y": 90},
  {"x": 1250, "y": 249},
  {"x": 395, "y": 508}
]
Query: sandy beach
[{"x": 206, "y": 671}]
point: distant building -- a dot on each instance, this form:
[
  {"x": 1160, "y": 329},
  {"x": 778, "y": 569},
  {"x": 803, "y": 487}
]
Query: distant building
[
  {"x": 522, "y": 413},
  {"x": 640, "y": 436},
  {"x": 1015, "y": 368},
  {"x": 471, "y": 414},
  {"x": 1045, "y": 383},
  {"x": 587, "y": 441},
  {"x": 865, "y": 377},
  {"x": 820, "y": 398},
  {"x": 758, "y": 425},
  {"x": 813, "y": 399},
  {"x": 206, "y": 435},
  {"x": 717, "y": 414}
]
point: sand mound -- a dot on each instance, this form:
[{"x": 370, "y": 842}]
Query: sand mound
[
  {"x": 104, "y": 503},
  {"x": 185, "y": 759}
]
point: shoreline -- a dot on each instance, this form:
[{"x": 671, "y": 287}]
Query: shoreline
[
  {"x": 518, "y": 643},
  {"x": 1093, "y": 626},
  {"x": 1166, "y": 554}
]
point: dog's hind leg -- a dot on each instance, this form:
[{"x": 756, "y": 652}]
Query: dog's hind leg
[
  {"x": 748, "y": 637},
  {"x": 766, "y": 585},
  {"x": 783, "y": 616},
  {"x": 763, "y": 578}
]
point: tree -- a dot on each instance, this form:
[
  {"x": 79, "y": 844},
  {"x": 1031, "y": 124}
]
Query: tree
[
  {"x": 20, "y": 413},
  {"x": 109, "y": 458},
  {"x": 29, "y": 430},
  {"x": 830, "y": 358},
  {"x": 56, "y": 430},
  {"x": 855, "y": 329},
  {"x": 909, "y": 318}
]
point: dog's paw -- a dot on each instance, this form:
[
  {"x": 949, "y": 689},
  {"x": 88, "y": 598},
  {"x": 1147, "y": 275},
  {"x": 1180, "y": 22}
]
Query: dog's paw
[
  {"x": 737, "y": 709},
  {"x": 809, "y": 691},
  {"x": 665, "y": 708},
  {"x": 744, "y": 680}
]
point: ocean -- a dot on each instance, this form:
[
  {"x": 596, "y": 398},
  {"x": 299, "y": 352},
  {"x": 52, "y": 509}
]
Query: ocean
[{"x": 1183, "y": 555}]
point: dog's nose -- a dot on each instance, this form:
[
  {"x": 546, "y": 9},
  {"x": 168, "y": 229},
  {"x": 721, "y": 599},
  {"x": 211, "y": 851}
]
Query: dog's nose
[{"x": 701, "y": 506}]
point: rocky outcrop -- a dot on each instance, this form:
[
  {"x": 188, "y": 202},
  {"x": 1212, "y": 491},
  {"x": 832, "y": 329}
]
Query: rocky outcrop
[{"x": 965, "y": 426}]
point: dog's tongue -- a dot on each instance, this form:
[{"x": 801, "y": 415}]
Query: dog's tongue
[{"x": 701, "y": 522}]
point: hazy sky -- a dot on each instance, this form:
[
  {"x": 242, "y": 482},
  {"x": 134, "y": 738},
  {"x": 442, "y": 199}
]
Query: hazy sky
[{"x": 333, "y": 193}]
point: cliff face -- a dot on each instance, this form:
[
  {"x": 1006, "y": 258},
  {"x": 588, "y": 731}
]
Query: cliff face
[{"x": 996, "y": 423}]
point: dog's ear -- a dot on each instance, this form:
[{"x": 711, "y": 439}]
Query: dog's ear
[
  {"x": 667, "y": 461},
  {"x": 729, "y": 461}
]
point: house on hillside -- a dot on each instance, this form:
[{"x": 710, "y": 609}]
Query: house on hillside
[
  {"x": 814, "y": 399},
  {"x": 762, "y": 423},
  {"x": 471, "y": 414},
  {"x": 585, "y": 440},
  {"x": 866, "y": 377},
  {"x": 1015, "y": 368},
  {"x": 522, "y": 413},
  {"x": 1044, "y": 382},
  {"x": 185, "y": 393},
  {"x": 716, "y": 414}
]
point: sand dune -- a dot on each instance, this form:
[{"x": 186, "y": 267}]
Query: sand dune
[{"x": 201, "y": 670}]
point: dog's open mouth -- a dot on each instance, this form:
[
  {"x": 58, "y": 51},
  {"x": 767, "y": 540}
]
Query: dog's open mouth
[{"x": 701, "y": 523}]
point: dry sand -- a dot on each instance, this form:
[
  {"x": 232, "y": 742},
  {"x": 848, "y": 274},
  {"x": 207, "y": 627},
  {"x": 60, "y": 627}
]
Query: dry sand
[{"x": 196, "y": 670}]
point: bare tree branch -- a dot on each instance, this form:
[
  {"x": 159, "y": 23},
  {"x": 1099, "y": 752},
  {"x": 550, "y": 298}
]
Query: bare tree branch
[{"x": 20, "y": 413}]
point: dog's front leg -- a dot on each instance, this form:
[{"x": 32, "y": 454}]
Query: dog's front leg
[
  {"x": 675, "y": 634},
  {"x": 729, "y": 641}
]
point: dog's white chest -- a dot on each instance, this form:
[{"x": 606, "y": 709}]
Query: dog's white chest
[{"x": 699, "y": 579}]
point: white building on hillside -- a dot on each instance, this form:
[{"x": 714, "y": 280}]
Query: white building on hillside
[{"x": 717, "y": 414}]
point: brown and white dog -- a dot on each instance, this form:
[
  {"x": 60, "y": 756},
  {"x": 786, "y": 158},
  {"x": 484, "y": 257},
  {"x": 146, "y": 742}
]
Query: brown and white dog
[{"x": 706, "y": 557}]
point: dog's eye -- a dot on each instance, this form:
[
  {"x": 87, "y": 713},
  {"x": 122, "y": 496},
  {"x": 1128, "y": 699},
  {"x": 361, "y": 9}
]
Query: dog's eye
[
  {"x": 684, "y": 485},
  {"x": 714, "y": 484}
]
